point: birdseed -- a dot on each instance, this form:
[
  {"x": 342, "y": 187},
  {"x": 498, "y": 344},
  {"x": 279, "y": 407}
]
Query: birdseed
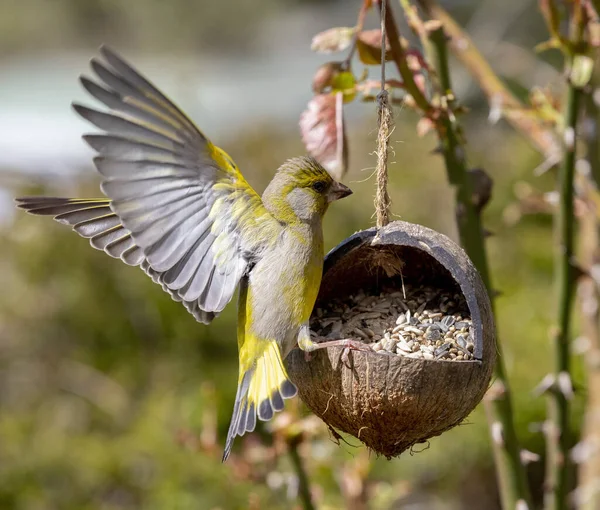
[{"x": 418, "y": 322}]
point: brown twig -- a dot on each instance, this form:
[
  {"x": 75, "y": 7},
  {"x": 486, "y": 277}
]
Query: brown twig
[
  {"x": 587, "y": 452},
  {"x": 399, "y": 56},
  {"x": 360, "y": 22},
  {"x": 496, "y": 91},
  {"x": 588, "y": 449}
]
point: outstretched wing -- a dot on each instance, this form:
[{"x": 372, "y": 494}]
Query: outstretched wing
[
  {"x": 93, "y": 219},
  {"x": 180, "y": 200}
]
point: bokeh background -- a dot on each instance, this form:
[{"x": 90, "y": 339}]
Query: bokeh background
[{"x": 111, "y": 395}]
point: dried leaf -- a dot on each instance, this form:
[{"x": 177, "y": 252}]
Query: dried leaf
[
  {"x": 323, "y": 78},
  {"x": 368, "y": 45},
  {"x": 334, "y": 77},
  {"x": 421, "y": 83},
  {"x": 424, "y": 126},
  {"x": 323, "y": 132},
  {"x": 332, "y": 40},
  {"x": 415, "y": 60}
]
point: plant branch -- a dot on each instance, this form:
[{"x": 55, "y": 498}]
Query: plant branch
[
  {"x": 453, "y": 152},
  {"x": 303, "y": 483},
  {"x": 588, "y": 491},
  {"x": 496, "y": 91},
  {"x": 513, "y": 479},
  {"x": 558, "y": 437},
  {"x": 360, "y": 22},
  {"x": 399, "y": 56}
]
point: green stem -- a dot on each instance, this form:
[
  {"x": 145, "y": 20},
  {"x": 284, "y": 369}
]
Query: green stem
[
  {"x": 399, "y": 55},
  {"x": 513, "y": 483},
  {"x": 558, "y": 437},
  {"x": 453, "y": 152},
  {"x": 303, "y": 483}
]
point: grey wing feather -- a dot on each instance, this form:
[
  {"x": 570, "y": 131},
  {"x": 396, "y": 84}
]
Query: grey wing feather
[
  {"x": 93, "y": 219},
  {"x": 178, "y": 206}
]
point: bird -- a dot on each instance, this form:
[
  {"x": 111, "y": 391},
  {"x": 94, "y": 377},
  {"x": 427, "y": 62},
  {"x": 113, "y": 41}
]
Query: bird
[{"x": 178, "y": 207}]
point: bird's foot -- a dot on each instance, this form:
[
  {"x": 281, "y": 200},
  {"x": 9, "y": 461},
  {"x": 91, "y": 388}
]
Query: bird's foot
[{"x": 348, "y": 344}]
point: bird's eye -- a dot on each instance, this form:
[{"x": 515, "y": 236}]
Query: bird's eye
[{"x": 319, "y": 186}]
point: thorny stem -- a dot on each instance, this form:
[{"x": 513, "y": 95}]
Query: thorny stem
[
  {"x": 496, "y": 91},
  {"x": 453, "y": 152},
  {"x": 362, "y": 14},
  {"x": 303, "y": 483},
  {"x": 513, "y": 480},
  {"x": 588, "y": 491},
  {"x": 399, "y": 56},
  {"x": 511, "y": 473},
  {"x": 558, "y": 437}
]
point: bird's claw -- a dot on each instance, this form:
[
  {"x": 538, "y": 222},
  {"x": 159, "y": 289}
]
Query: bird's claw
[{"x": 347, "y": 345}]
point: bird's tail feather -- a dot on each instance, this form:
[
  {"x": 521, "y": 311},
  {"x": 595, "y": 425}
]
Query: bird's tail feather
[{"x": 261, "y": 391}]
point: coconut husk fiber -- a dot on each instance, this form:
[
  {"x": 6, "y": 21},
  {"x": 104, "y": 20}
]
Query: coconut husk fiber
[{"x": 387, "y": 401}]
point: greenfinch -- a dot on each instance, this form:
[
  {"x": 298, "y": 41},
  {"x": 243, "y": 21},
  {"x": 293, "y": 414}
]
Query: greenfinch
[{"x": 178, "y": 207}]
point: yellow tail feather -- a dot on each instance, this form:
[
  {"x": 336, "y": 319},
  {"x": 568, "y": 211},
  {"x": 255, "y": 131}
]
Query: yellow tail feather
[{"x": 262, "y": 387}]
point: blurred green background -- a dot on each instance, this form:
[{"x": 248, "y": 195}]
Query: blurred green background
[{"x": 111, "y": 395}]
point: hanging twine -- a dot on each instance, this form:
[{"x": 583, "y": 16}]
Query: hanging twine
[{"x": 385, "y": 124}]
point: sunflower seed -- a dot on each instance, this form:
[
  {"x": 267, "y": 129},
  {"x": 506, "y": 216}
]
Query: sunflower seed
[
  {"x": 360, "y": 333},
  {"x": 388, "y": 344},
  {"x": 461, "y": 342},
  {"x": 440, "y": 351},
  {"x": 432, "y": 334},
  {"x": 411, "y": 322},
  {"x": 448, "y": 320}
]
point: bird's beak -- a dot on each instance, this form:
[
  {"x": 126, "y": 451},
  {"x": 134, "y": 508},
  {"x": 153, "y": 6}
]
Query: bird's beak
[{"x": 337, "y": 191}]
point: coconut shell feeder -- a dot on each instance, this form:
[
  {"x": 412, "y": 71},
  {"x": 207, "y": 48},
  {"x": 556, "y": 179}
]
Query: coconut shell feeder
[{"x": 388, "y": 401}]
